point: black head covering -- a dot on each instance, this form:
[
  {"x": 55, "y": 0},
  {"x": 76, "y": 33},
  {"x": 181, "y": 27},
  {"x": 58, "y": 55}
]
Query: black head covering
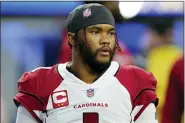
[{"x": 88, "y": 15}]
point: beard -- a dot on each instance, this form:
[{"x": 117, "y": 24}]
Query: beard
[{"x": 89, "y": 57}]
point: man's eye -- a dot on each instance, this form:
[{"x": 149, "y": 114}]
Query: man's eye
[
  {"x": 95, "y": 32},
  {"x": 111, "y": 33}
]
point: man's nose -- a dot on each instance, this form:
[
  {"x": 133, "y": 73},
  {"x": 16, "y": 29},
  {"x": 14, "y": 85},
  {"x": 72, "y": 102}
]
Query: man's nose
[{"x": 105, "y": 39}]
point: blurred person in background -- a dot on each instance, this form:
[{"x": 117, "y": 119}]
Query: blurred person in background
[
  {"x": 161, "y": 54},
  {"x": 174, "y": 102},
  {"x": 91, "y": 87}
]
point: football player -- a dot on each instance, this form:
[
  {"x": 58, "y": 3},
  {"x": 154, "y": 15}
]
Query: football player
[{"x": 91, "y": 88}]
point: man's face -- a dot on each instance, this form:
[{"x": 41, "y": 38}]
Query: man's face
[{"x": 97, "y": 46}]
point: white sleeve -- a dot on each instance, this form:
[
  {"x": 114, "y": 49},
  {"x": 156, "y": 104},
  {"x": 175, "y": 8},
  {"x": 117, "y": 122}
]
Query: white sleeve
[
  {"x": 147, "y": 116},
  {"x": 23, "y": 116}
]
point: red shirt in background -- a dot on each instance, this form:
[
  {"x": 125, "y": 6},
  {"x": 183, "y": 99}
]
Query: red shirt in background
[{"x": 174, "y": 103}]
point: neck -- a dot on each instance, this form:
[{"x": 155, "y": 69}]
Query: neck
[{"x": 82, "y": 71}]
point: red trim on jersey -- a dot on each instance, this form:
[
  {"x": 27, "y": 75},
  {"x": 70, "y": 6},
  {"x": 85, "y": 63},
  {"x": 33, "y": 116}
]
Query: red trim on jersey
[
  {"x": 58, "y": 80},
  {"x": 35, "y": 88},
  {"x": 140, "y": 85},
  {"x": 144, "y": 97},
  {"x": 123, "y": 76},
  {"x": 140, "y": 112},
  {"x": 30, "y": 94},
  {"x": 19, "y": 101},
  {"x": 29, "y": 100}
]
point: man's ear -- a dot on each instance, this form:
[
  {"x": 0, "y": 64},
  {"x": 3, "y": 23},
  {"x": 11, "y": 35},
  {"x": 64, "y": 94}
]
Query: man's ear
[{"x": 71, "y": 38}]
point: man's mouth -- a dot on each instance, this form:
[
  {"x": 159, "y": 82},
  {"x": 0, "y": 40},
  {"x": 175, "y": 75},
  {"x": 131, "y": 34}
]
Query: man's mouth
[{"x": 105, "y": 51}]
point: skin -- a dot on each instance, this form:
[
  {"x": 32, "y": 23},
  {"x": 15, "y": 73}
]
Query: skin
[{"x": 88, "y": 62}]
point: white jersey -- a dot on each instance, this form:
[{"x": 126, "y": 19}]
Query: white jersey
[{"x": 55, "y": 95}]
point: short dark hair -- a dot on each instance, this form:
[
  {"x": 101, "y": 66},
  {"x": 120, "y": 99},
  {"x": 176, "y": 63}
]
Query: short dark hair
[{"x": 161, "y": 26}]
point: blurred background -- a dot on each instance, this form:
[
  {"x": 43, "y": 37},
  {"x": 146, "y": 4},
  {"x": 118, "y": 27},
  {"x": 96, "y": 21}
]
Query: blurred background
[{"x": 33, "y": 35}]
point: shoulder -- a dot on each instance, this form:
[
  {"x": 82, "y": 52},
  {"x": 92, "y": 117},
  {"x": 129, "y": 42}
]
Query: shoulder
[
  {"x": 132, "y": 72},
  {"x": 138, "y": 82},
  {"x": 33, "y": 75},
  {"x": 179, "y": 64},
  {"x": 39, "y": 80},
  {"x": 145, "y": 76},
  {"x": 39, "y": 72},
  {"x": 177, "y": 71},
  {"x": 35, "y": 87}
]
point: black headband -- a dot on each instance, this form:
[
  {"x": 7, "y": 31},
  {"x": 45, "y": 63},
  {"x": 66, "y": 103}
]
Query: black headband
[{"x": 88, "y": 15}]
